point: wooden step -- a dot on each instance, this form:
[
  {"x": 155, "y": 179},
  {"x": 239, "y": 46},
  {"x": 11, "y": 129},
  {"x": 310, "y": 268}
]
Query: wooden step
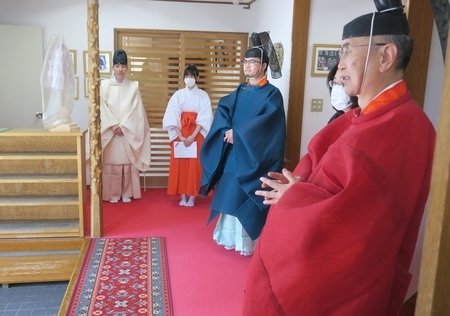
[
  {"x": 26, "y": 155},
  {"x": 41, "y": 207},
  {"x": 39, "y": 178},
  {"x": 36, "y": 189},
  {"x": 38, "y": 260},
  {"x": 16, "y": 141},
  {"x": 40, "y": 228},
  {"x": 8, "y": 201},
  {"x": 39, "y": 212},
  {"x": 38, "y": 165}
]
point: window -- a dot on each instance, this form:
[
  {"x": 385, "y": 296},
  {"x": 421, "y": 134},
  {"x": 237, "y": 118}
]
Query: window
[{"x": 157, "y": 59}]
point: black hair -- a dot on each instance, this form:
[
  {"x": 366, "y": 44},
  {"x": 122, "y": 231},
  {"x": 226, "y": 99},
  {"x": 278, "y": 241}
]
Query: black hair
[
  {"x": 330, "y": 77},
  {"x": 120, "y": 57},
  {"x": 191, "y": 70},
  {"x": 258, "y": 52}
]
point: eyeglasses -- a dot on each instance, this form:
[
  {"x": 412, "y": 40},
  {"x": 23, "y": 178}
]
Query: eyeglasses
[
  {"x": 344, "y": 50},
  {"x": 333, "y": 83},
  {"x": 250, "y": 62}
]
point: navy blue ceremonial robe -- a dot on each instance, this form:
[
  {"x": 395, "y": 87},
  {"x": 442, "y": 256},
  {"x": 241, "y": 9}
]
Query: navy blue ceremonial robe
[{"x": 257, "y": 117}]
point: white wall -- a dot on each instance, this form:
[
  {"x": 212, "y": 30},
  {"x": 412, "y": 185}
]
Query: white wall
[
  {"x": 326, "y": 23},
  {"x": 275, "y": 17},
  {"x": 435, "y": 79},
  {"x": 325, "y": 27},
  {"x": 69, "y": 18}
]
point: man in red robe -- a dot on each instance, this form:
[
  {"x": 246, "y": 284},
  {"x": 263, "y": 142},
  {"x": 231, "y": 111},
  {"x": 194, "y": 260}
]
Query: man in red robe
[{"x": 342, "y": 229}]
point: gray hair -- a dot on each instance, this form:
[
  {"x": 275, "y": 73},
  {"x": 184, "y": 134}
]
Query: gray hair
[{"x": 404, "y": 45}]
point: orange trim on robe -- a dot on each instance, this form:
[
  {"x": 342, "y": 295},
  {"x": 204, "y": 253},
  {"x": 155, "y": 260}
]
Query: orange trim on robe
[
  {"x": 185, "y": 174},
  {"x": 262, "y": 82},
  {"x": 386, "y": 97}
]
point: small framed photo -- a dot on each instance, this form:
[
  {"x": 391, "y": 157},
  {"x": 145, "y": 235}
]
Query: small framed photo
[
  {"x": 104, "y": 63},
  {"x": 73, "y": 54},
  {"x": 76, "y": 88},
  {"x": 86, "y": 86},
  {"x": 324, "y": 57}
]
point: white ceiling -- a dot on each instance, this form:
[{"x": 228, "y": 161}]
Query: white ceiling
[{"x": 245, "y": 3}]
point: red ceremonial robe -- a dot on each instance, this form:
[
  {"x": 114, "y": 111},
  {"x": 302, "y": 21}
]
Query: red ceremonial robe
[{"x": 341, "y": 242}]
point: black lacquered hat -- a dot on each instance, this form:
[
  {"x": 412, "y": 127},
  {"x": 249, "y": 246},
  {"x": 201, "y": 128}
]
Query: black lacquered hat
[
  {"x": 120, "y": 57},
  {"x": 263, "y": 47},
  {"x": 390, "y": 19}
]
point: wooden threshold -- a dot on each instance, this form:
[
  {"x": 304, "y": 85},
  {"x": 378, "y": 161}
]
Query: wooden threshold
[
  {"x": 73, "y": 279},
  {"x": 38, "y": 260}
]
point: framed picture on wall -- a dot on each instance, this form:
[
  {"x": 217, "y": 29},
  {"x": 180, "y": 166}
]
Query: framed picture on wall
[
  {"x": 76, "y": 88},
  {"x": 86, "y": 83},
  {"x": 104, "y": 64},
  {"x": 73, "y": 54},
  {"x": 86, "y": 86},
  {"x": 324, "y": 57}
]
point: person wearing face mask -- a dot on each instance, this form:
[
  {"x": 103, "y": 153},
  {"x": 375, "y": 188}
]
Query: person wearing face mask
[
  {"x": 125, "y": 134},
  {"x": 187, "y": 119},
  {"x": 247, "y": 140},
  {"x": 340, "y": 100},
  {"x": 343, "y": 226}
]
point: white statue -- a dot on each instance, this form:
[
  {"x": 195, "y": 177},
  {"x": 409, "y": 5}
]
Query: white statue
[{"x": 58, "y": 86}]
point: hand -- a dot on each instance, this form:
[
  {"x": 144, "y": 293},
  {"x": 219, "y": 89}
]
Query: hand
[
  {"x": 117, "y": 130},
  {"x": 228, "y": 136},
  {"x": 280, "y": 183},
  {"x": 188, "y": 141}
]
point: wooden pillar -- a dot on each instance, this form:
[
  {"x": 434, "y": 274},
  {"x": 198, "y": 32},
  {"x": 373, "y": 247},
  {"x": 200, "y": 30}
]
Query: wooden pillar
[
  {"x": 94, "y": 119},
  {"x": 434, "y": 280},
  {"x": 300, "y": 27},
  {"x": 420, "y": 20}
]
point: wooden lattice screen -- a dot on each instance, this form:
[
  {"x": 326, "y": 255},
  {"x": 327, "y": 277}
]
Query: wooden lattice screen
[{"x": 157, "y": 59}]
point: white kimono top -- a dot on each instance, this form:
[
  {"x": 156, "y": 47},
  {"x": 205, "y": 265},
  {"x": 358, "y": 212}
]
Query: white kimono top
[
  {"x": 185, "y": 100},
  {"x": 121, "y": 104}
]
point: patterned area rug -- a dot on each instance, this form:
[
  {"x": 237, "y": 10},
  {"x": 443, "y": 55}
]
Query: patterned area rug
[{"x": 123, "y": 276}]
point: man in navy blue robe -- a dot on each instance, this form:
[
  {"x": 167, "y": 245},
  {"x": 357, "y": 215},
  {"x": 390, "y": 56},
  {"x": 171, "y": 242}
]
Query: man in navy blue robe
[{"x": 246, "y": 141}]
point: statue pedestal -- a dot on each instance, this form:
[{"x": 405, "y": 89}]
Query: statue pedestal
[{"x": 72, "y": 127}]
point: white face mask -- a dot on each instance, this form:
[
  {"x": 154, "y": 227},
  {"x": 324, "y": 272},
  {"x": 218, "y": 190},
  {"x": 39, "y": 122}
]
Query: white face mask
[
  {"x": 339, "y": 99},
  {"x": 190, "y": 82}
]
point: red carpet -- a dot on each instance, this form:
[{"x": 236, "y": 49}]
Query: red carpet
[
  {"x": 205, "y": 279},
  {"x": 123, "y": 276}
]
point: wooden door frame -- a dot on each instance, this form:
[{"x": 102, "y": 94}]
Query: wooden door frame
[
  {"x": 434, "y": 279},
  {"x": 300, "y": 30},
  {"x": 420, "y": 20}
]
